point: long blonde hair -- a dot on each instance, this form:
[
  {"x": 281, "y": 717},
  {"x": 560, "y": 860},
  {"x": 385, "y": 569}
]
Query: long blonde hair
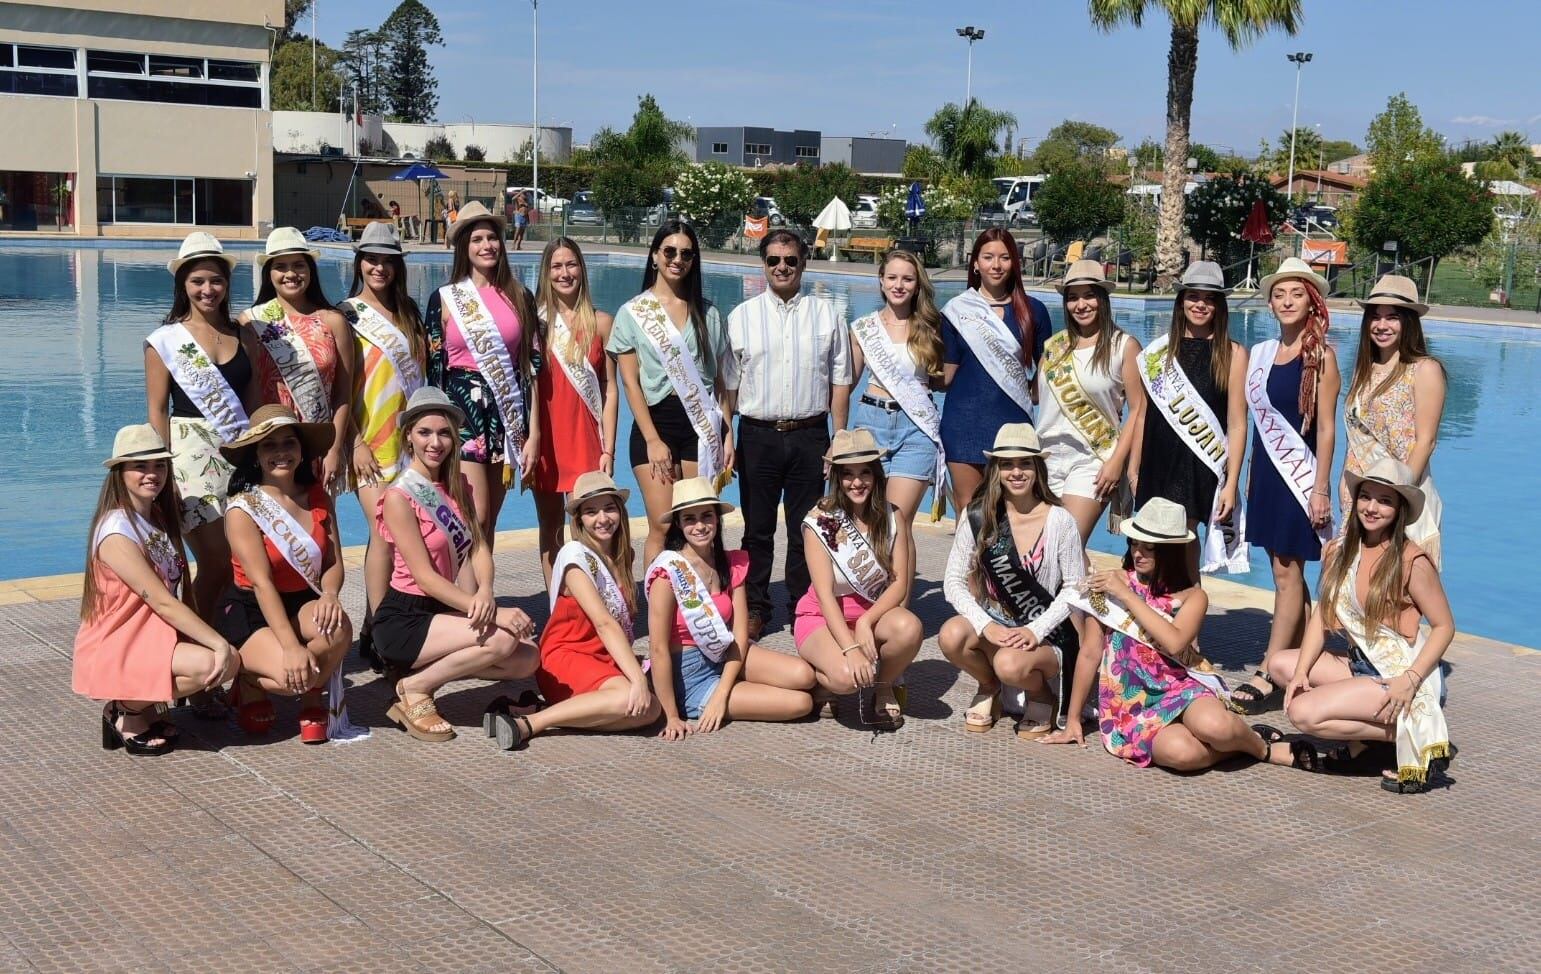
[
  {"x": 872, "y": 515},
  {"x": 621, "y": 554},
  {"x": 448, "y": 474},
  {"x": 585, "y": 324},
  {"x": 925, "y": 341},
  {"x": 1107, "y": 331},
  {"x": 1388, "y": 584},
  {"x": 988, "y": 501},
  {"x": 1219, "y": 337},
  {"x": 165, "y": 514}
]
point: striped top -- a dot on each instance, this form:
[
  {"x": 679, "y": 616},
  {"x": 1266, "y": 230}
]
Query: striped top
[
  {"x": 784, "y": 356},
  {"x": 378, "y": 399}
]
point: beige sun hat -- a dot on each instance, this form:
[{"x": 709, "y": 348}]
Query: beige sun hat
[
  {"x": 694, "y": 492},
  {"x": 1395, "y": 291},
  {"x": 1394, "y": 474},
  {"x": 135, "y": 443},
  {"x": 201, "y": 245},
  {"x": 595, "y": 483},
  {"x": 315, "y": 437},
  {"x": 1293, "y": 268},
  {"x": 286, "y": 240},
  {"x": 430, "y": 399},
  {"x": 854, "y": 446},
  {"x": 472, "y": 213},
  {"x": 1015, "y": 440},
  {"x": 1160, "y": 521},
  {"x": 1084, "y": 272},
  {"x": 379, "y": 237}
]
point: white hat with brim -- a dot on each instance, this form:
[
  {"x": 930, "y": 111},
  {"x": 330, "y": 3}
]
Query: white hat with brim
[
  {"x": 694, "y": 492},
  {"x": 1085, "y": 272},
  {"x": 316, "y": 438},
  {"x": 430, "y": 399},
  {"x": 853, "y": 447},
  {"x": 201, "y": 245},
  {"x": 1160, "y": 521},
  {"x": 1293, "y": 268},
  {"x": 1394, "y": 474},
  {"x": 1015, "y": 441},
  {"x": 473, "y": 213},
  {"x": 595, "y": 483},
  {"x": 1396, "y": 291},
  {"x": 284, "y": 241},
  {"x": 135, "y": 443}
]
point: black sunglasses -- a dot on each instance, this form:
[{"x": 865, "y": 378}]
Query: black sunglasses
[
  {"x": 774, "y": 260},
  {"x": 686, "y": 255}
]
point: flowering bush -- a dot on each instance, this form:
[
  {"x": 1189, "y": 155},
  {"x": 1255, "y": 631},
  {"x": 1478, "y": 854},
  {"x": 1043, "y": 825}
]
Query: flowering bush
[
  {"x": 1217, "y": 210},
  {"x": 712, "y": 190},
  {"x": 942, "y": 206}
]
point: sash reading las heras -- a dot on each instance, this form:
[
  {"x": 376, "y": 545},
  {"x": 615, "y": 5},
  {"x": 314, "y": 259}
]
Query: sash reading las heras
[{"x": 480, "y": 330}]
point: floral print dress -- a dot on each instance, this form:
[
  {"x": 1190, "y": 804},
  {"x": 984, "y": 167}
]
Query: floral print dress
[{"x": 1140, "y": 690}]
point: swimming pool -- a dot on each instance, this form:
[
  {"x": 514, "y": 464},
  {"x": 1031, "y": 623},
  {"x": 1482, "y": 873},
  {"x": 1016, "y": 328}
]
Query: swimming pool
[{"x": 73, "y": 319}]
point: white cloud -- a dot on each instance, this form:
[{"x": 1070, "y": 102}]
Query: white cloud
[{"x": 1483, "y": 120}]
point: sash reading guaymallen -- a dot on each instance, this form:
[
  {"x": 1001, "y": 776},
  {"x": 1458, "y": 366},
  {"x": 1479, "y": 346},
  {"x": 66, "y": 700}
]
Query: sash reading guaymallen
[
  {"x": 425, "y": 494},
  {"x": 850, "y": 551},
  {"x": 200, "y": 378},
  {"x": 1281, "y": 441},
  {"x": 482, "y": 337},
  {"x": 580, "y": 374},
  {"x": 576, "y": 553},
  {"x": 1189, "y": 416},
  {"x": 1363, "y": 443},
  {"x": 707, "y": 626},
  {"x": 1112, "y": 613},
  {"x": 913, "y": 397},
  {"x": 293, "y": 359},
  {"x": 680, "y": 366},
  {"x": 300, "y": 550},
  {"x": 993, "y": 343}
]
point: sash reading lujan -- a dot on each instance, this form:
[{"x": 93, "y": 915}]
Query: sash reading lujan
[
  {"x": 1285, "y": 447},
  {"x": 200, "y": 378}
]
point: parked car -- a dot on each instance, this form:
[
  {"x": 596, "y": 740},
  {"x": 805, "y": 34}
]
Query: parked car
[
  {"x": 582, "y": 212},
  {"x": 1315, "y": 215},
  {"x": 992, "y": 214},
  {"x": 1025, "y": 216},
  {"x": 548, "y": 204},
  {"x": 766, "y": 206},
  {"x": 865, "y": 215}
]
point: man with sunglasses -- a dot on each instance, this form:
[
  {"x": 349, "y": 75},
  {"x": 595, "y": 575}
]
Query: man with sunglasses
[{"x": 788, "y": 369}]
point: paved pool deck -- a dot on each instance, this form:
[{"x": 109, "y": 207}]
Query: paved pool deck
[{"x": 817, "y": 846}]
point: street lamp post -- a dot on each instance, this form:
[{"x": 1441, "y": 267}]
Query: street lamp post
[
  {"x": 535, "y": 106},
  {"x": 1299, "y": 59},
  {"x": 971, "y": 34}
]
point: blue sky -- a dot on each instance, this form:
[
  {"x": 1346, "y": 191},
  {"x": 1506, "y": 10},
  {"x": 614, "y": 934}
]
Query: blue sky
[{"x": 855, "y": 67}]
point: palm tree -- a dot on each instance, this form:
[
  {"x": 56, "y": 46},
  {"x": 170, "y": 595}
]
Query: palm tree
[
  {"x": 969, "y": 137},
  {"x": 1513, "y": 148},
  {"x": 1240, "y": 21}
]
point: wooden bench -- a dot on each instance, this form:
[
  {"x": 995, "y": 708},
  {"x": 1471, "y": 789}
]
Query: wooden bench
[
  {"x": 875, "y": 246},
  {"x": 354, "y": 225}
]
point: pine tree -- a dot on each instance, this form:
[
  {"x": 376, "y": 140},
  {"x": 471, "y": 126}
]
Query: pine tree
[{"x": 411, "y": 91}]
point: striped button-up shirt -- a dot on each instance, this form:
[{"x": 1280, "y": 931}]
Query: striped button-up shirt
[{"x": 785, "y": 355}]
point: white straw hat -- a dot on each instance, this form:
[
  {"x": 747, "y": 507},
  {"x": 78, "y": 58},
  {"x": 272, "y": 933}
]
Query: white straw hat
[
  {"x": 1160, "y": 521},
  {"x": 1014, "y": 440},
  {"x": 472, "y": 213},
  {"x": 201, "y": 245},
  {"x": 1293, "y": 268},
  {"x": 135, "y": 443},
  {"x": 595, "y": 483},
  {"x": 1396, "y": 291},
  {"x": 1084, "y": 272},
  {"x": 286, "y": 240},
  {"x": 853, "y": 446},
  {"x": 694, "y": 492}
]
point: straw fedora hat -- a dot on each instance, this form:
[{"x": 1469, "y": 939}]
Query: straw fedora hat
[
  {"x": 595, "y": 483},
  {"x": 315, "y": 437},
  {"x": 1014, "y": 440},
  {"x": 854, "y": 446},
  {"x": 135, "y": 443},
  {"x": 1293, "y": 268},
  {"x": 1396, "y": 291},
  {"x": 285, "y": 240},
  {"x": 379, "y": 237},
  {"x": 430, "y": 399},
  {"x": 1160, "y": 521},
  {"x": 1084, "y": 272},
  {"x": 472, "y": 213},
  {"x": 1394, "y": 474},
  {"x": 1203, "y": 275},
  {"x": 695, "y": 492},
  {"x": 201, "y": 245}
]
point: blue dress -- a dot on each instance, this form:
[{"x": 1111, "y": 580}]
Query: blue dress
[
  {"x": 1275, "y": 521},
  {"x": 975, "y": 407}
]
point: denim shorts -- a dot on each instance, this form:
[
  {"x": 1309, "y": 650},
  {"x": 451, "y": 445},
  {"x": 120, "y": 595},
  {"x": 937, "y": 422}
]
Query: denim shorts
[
  {"x": 1359, "y": 665},
  {"x": 695, "y": 680},
  {"x": 911, "y": 453}
]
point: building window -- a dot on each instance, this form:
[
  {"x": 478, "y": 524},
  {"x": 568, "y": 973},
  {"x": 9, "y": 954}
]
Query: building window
[
  {"x": 175, "y": 80},
  {"x": 757, "y": 149},
  {"x": 173, "y": 199},
  {"x": 29, "y": 70},
  {"x": 807, "y": 152},
  {"x": 719, "y": 148},
  {"x": 36, "y": 200}
]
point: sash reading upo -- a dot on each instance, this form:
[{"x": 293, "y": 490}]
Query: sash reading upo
[
  {"x": 1285, "y": 447},
  {"x": 375, "y": 329},
  {"x": 312, "y": 400},
  {"x": 993, "y": 343},
  {"x": 200, "y": 378},
  {"x": 1112, "y": 613},
  {"x": 850, "y": 551},
  {"x": 576, "y": 553},
  {"x": 1363, "y": 443},
  {"x": 1096, "y": 429},
  {"x": 496, "y": 366},
  {"x": 155, "y": 543},
  {"x": 426, "y": 495},
  {"x": 581, "y": 376},
  {"x": 913, "y": 397},
  {"x": 707, "y": 626},
  {"x": 680, "y": 366},
  {"x": 1189, "y": 416}
]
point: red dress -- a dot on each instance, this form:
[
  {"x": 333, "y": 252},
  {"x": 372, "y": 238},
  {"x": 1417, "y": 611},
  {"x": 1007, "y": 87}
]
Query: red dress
[
  {"x": 569, "y": 436},
  {"x": 573, "y": 659}
]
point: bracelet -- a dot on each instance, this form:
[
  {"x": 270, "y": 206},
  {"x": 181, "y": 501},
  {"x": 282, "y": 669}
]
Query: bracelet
[
  {"x": 1321, "y": 493},
  {"x": 850, "y": 648},
  {"x": 1413, "y": 674}
]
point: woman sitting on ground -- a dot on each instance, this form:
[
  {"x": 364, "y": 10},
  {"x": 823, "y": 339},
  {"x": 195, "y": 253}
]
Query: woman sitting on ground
[
  {"x": 705, "y": 668},
  {"x": 588, "y": 673},
  {"x": 428, "y": 629},
  {"x": 139, "y": 644},
  {"x": 1376, "y": 584},
  {"x": 1158, "y": 701},
  {"x": 282, "y": 609},
  {"x": 1016, "y": 558},
  {"x": 852, "y": 625}
]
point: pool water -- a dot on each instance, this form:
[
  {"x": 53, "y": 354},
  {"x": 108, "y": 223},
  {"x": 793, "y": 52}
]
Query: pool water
[{"x": 73, "y": 320}]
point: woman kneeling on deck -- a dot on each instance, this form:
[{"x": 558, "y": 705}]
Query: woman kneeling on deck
[
  {"x": 1016, "y": 559},
  {"x": 1376, "y": 584}
]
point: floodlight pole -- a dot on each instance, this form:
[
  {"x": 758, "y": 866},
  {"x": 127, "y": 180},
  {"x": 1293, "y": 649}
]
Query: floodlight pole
[
  {"x": 535, "y": 106},
  {"x": 971, "y": 34},
  {"x": 1299, "y": 59}
]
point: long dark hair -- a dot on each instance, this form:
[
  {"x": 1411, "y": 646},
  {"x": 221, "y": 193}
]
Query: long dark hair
[
  {"x": 267, "y": 290},
  {"x": 1019, "y": 305},
  {"x": 165, "y": 513},
  {"x": 674, "y": 540},
  {"x": 1388, "y": 583},
  {"x": 1219, "y": 335},
  {"x": 247, "y": 474},
  {"x": 182, "y": 305},
  {"x": 694, "y": 295},
  {"x": 505, "y": 280},
  {"x": 1412, "y": 348},
  {"x": 1102, "y": 352},
  {"x": 873, "y": 515},
  {"x": 398, "y": 301},
  {"x": 990, "y": 501},
  {"x": 1172, "y": 573}
]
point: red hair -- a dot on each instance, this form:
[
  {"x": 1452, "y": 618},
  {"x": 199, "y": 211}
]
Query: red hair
[
  {"x": 1313, "y": 345},
  {"x": 1019, "y": 305}
]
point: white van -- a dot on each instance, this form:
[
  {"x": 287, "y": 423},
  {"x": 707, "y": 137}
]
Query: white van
[{"x": 1016, "y": 195}]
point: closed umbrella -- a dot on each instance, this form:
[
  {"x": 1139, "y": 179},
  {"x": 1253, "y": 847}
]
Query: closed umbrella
[
  {"x": 914, "y": 206},
  {"x": 1255, "y": 231},
  {"x": 835, "y": 216}
]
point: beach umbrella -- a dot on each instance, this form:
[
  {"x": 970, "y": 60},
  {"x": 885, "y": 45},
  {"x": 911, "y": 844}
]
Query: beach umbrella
[
  {"x": 1255, "y": 231},
  {"x": 419, "y": 172},
  {"x": 914, "y": 205},
  {"x": 835, "y": 216}
]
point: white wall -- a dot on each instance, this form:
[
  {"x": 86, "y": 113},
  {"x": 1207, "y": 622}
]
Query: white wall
[{"x": 306, "y": 131}]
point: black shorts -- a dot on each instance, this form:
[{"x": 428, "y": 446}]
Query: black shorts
[
  {"x": 673, "y": 426},
  {"x": 239, "y": 617},
  {"x": 401, "y": 626}
]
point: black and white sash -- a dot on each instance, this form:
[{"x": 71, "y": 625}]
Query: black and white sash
[{"x": 200, "y": 378}]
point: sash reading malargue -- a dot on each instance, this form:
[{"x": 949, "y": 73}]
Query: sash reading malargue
[
  {"x": 580, "y": 375},
  {"x": 464, "y": 305},
  {"x": 1285, "y": 447},
  {"x": 292, "y": 357},
  {"x": 579, "y": 555},
  {"x": 850, "y": 551},
  {"x": 375, "y": 329},
  {"x": 1185, "y": 411},
  {"x": 911, "y": 394},
  {"x": 680, "y": 366},
  {"x": 707, "y": 626},
  {"x": 1112, "y": 613},
  {"x": 1097, "y": 429},
  {"x": 993, "y": 343},
  {"x": 200, "y": 378},
  {"x": 425, "y": 494}
]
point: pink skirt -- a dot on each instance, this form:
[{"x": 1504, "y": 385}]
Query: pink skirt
[{"x": 810, "y": 619}]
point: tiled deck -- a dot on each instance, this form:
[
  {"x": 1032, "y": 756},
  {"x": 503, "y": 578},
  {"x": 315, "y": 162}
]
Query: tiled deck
[{"x": 816, "y": 846}]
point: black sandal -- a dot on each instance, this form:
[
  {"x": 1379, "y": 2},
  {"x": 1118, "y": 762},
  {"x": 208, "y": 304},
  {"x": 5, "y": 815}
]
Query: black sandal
[
  {"x": 1304, "y": 755},
  {"x": 137, "y": 744},
  {"x": 1371, "y": 758},
  {"x": 513, "y": 731},
  {"x": 1256, "y": 701},
  {"x": 1437, "y": 769},
  {"x": 528, "y": 703}
]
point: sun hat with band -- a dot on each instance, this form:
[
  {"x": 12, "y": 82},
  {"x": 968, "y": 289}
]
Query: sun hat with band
[
  {"x": 1160, "y": 521},
  {"x": 283, "y": 241},
  {"x": 135, "y": 443},
  {"x": 430, "y": 399},
  {"x": 1294, "y": 269},
  {"x": 1203, "y": 275},
  {"x": 595, "y": 483},
  {"x": 472, "y": 213},
  {"x": 200, "y": 245},
  {"x": 1085, "y": 272},
  {"x": 316, "y": 438},
  {"x": 1394, "y": 474},
  {"x": 1015, "y": 441},
  {"x": 694, "y": 492},
  {"x": 379, "y": 237},
  {"x": 1395, "y": 291},
  {"x": 854, "y": 446}
]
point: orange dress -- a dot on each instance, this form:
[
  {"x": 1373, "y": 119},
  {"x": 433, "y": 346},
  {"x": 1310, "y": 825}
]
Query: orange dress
[
  {"x": 573, "y": 659},
  {"x": 124, "y": 651},
  {"x": 569, "y": 436}
]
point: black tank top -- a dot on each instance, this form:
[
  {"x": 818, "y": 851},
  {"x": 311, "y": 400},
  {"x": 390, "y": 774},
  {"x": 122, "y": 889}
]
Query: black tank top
[{"x": 237, "y": 372}]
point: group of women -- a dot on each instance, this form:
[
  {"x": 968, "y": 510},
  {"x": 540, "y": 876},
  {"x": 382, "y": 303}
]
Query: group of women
[{"x": 258, "y": 421}]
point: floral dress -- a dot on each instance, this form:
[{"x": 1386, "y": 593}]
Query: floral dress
[{"x": 1140, "y": 690}]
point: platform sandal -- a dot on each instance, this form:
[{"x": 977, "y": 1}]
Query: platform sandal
[
  {"x": 983, "y": 711},
  {"x": 1249, "y": 700},
  {"x": 513, "y": 731},
  {"x": 527, "y": 702},
  {"x": 416, "y": 718},
  {"x": 141, "y": 744}
]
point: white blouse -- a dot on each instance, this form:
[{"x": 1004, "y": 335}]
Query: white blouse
[
  {"x": 1056, "y": 433},
  {"x": 1063, "y": 567}
]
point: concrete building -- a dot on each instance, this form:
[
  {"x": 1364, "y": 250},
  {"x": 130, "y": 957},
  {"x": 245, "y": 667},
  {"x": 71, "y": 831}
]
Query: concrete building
[
  {"x": 501, "y": 142},
  {"x": 868, "y": 156},
  {"x": 142, "y": 119},
  {"x": 752, "y": 147}
]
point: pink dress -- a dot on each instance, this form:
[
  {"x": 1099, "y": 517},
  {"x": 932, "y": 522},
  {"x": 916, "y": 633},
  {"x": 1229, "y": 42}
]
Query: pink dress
[{"x": 124, "y": 651}]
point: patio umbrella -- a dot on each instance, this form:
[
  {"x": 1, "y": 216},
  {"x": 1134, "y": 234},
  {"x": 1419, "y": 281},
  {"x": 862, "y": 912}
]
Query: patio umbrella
[
  {"x": 834, "y": 217},
  {"x": 914, "y": 206},
  {"x": 419, "y": 172},
  {"x": 1255, "y": 231}
]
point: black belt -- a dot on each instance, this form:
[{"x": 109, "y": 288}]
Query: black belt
[
  {"x": 892, "y": 405},
  {"x": 787, "y": 425}
]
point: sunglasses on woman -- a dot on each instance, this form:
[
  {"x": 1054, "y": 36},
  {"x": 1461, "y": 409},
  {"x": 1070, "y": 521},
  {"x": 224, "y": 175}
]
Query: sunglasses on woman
[
  {"x": 775, "y": 261},
  {"x": 685, "y": 255}
]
